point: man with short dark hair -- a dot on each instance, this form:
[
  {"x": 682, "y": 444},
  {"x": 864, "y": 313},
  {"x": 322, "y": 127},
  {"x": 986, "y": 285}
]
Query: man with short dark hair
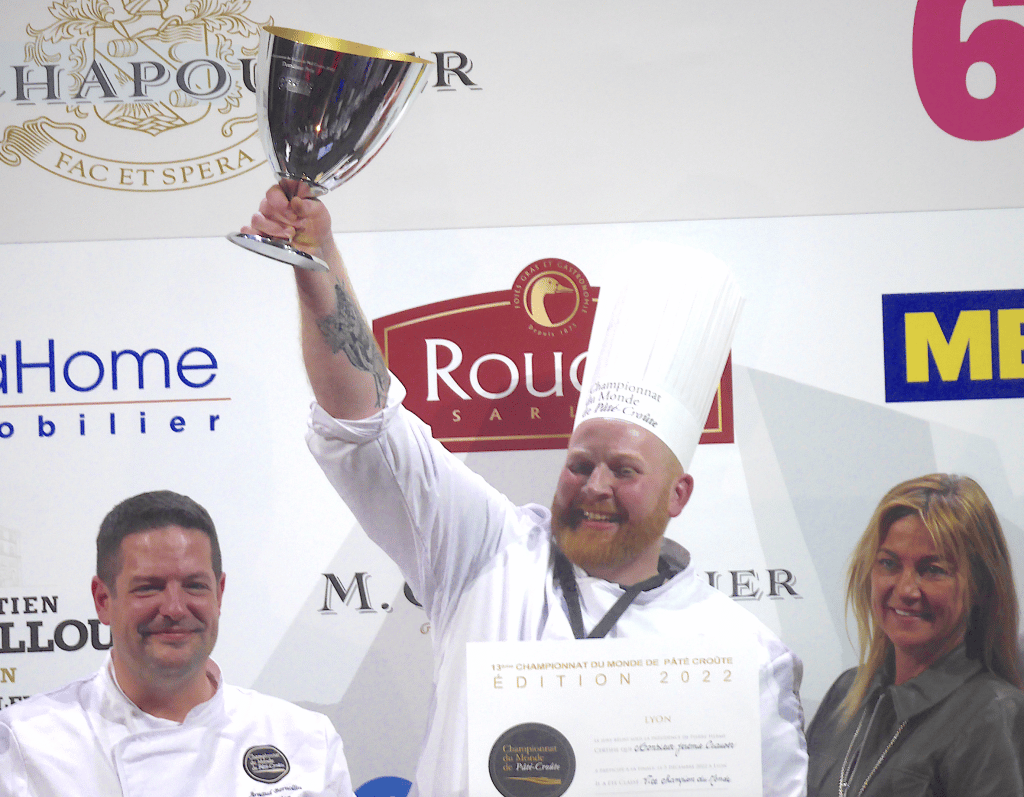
[
  {"x": 157, "y": 719},
  {"x": 151, "y": 510}
]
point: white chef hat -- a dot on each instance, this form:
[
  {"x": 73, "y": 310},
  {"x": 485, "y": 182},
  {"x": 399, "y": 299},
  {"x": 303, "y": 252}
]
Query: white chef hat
[{"x": 662, "y": 333}]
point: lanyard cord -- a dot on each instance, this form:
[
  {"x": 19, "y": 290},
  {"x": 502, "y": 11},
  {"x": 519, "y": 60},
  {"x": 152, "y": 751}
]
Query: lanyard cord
[{"x": 567, "y": 578}]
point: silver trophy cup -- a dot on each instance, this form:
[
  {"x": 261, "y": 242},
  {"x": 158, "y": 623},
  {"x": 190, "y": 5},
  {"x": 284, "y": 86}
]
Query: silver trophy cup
[{"x": 325, "y": 107}]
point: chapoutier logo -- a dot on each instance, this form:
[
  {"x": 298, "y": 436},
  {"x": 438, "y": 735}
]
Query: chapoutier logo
[{"x": 138, "y": 77}]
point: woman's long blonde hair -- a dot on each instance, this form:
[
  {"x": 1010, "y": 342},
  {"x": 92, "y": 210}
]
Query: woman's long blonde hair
[{"x": 966, "y": 532}]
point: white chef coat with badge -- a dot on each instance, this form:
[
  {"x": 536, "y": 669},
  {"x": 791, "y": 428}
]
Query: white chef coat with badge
[
  {"x": 482, "y": 568},
  {"x": 88, "y": 738}
]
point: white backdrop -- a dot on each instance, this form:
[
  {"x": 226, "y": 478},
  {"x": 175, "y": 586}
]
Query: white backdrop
[{"x": 791, "y": 141}]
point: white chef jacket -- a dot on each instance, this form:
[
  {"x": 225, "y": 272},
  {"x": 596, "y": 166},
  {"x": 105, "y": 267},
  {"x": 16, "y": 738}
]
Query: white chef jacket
[
  {"x": 482, "y": 568},
  {"x": 88, "y": 738}
]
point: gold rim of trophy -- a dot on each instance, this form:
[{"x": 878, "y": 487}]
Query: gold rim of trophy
[{"x": 341, "y": 46}]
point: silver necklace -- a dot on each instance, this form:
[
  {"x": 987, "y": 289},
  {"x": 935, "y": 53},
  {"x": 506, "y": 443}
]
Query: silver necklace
[{"x": 851, "y": 761}]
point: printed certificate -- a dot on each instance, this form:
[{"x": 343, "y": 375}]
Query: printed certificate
[{"x": 613, "y": 717}]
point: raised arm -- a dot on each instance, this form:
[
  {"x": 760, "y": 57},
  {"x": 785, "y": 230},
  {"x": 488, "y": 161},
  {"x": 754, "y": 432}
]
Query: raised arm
[{"x": 343, "y": 362}]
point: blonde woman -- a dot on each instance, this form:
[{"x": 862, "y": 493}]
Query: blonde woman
[{"x": 935, "y": 706}]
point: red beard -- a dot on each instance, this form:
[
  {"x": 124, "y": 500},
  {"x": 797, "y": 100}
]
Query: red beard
[{"x": 594, "y": 550}]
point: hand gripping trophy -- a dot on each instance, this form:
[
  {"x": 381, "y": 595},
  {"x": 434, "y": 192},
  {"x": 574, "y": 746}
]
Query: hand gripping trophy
[{"x": 325, "y": 107}]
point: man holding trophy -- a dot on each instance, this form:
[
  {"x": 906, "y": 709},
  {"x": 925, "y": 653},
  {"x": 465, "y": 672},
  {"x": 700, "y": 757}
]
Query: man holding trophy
[{"x": 597, "y": 563}]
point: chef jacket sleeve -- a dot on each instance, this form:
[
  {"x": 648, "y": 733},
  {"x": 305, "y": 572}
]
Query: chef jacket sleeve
[
  {"x": 438, "y": 520},
  {"x": 13, "y": 778}
]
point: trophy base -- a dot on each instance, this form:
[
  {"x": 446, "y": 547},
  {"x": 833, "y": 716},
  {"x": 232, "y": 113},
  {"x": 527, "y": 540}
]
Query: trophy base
[{"x": 278, "y": 249}]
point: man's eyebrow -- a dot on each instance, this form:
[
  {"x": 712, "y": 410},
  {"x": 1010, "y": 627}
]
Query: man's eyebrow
[
  {"x": 197, "y": 575},
  {"x": 134, "y": 580}
]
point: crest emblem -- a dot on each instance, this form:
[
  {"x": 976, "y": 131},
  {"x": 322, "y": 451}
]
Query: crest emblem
[
  {"x": 123, "y": 85},
  {"x": 553, "y": 296}
]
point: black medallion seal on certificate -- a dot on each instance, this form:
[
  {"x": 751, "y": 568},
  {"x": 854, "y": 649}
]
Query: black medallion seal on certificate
[{"x": 532, "y": 760}]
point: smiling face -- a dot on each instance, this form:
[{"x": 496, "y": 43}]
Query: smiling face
[
  {"x": 162, "y": 610},
  {"x": 615, "y": 495},
  {"x": 918, "y": 598}
]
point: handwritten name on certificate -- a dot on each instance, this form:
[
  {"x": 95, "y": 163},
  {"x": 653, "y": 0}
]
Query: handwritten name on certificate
[{"x": 613, "y": 717}]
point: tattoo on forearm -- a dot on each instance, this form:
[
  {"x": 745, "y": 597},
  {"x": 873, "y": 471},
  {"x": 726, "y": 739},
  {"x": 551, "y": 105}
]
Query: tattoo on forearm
[{"x": 346, "y": 331}]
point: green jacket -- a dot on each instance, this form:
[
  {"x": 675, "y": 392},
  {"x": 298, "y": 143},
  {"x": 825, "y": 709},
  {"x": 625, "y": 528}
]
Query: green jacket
[{"x": 964, "y": 735}]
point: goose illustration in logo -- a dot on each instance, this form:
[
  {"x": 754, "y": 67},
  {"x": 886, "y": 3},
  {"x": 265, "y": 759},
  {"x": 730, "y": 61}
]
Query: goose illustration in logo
[{"x": 538, "y": 291}]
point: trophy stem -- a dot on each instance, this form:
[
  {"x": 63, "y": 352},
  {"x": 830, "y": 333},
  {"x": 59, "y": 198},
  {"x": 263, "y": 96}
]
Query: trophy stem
[
  {"x": 278, "y": 249},
  {"x": 292, "y": 187}
]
